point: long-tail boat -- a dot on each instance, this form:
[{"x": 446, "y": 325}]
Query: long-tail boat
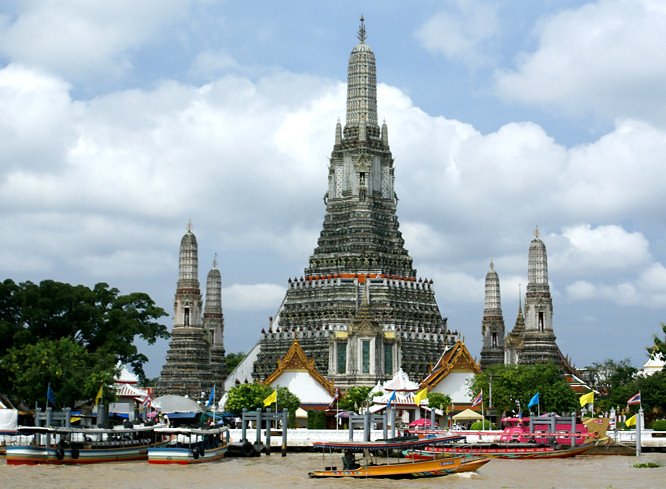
[
  {"x": 190, "y": 445},
  {"x": 58, "y": 446},
  {"x": 377, "y": 461},
  {"x": 500, "y": 450}
]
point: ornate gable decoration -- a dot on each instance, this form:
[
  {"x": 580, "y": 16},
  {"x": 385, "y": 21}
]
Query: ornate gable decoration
[
  {"x": 455, "y": 358},
  {"x": 363, "y": 324},
  {"x": 295, "y": 359}
]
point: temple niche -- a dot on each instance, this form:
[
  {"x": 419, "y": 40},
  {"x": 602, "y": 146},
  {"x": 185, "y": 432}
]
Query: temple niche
[
  {"x": 359, "y": 309},
  {"x": 195, "y": 361}
]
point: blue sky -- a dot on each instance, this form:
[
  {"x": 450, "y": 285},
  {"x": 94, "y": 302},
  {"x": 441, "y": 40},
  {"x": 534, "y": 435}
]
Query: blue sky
[{"x": 122, "y": 120}]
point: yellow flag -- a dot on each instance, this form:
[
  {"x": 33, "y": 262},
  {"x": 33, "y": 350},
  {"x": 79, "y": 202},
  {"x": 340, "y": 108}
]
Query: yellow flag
[
  {"x": 631, "y": 421},
  {"x": 586, "y": 398},
  {"x": 271, "y": 399},
  {"x": 420, "y": 396},
  {"x": 98, "y": 397}
]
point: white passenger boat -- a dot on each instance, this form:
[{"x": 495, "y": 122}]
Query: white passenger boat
[
  {"x": 188, "y": 445},
  {"x": 59, "y": 446}
]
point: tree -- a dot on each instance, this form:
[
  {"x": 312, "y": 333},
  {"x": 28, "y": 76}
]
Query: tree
[
  {"x": 439, "y": 400},
  {"x": 355, "y": 397},
  {"x": 100, "y": 319},
  {"x": 659, "y": 344},
  {"x": 248, "y": 396},
  {"x": 74, "y": 373},
  {"x": 286, "y": 399},
  {"x": 515, "y": 385},
  {"x": 233, "y": 359},
  {"x": 614, "y": 381}
]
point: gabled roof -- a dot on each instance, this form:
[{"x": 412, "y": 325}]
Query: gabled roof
[
  {"x": 128, "y": 390},
  {"x": 401, "y": 383},
  {"x": 454, "y": 358},
  {"x": 295, "y": 360}
]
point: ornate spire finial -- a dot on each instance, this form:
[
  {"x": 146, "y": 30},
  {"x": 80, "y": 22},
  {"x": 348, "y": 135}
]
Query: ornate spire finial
[
  {"x": 361, "y": 31},
  {"x": 215, "y": 260},
  {"x": 492, "y": 266},
  {"x": 189, "y": 225},
  {"x": 536, "y": 232}
]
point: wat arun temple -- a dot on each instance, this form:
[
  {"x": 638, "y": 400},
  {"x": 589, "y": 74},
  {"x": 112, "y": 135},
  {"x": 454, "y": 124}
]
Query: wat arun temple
[{"x": 359, "y": 310}]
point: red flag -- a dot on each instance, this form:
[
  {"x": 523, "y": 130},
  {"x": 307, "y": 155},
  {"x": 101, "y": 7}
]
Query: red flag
[
  {"x": 147, "y": 402},
  {"x": 335, "y": 398}
]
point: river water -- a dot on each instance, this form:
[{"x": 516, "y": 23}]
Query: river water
[{"x": 291, "y": 471}]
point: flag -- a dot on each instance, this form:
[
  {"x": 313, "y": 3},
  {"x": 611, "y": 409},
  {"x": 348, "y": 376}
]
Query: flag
[
  {"x": 148, "y": 401},
  {"x": 271, "y": 399},
  {"x": 586, "y": 398},
  {"x": 335, "y": 398},
  {"x": 534, "y": 401},
  {"x": 635, "y": 399},
  {"x": 420, "y": 396},
  {"x": 98, "y": 397},
  {"x": 211, "y": 398},
  {"x": 50, "y": 395},
  {"x": 478, "y": 399},
  {"x": 631, "y": 421},
  {"x": 391, "y": 399}
]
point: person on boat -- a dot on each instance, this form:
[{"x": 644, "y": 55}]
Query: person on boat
[{"x": 349, "y": 461}]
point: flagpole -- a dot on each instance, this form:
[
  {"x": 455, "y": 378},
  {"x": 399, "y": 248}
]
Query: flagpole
[
  {"x": 483, "y": 417},
  {"x": 337, "y": 411}
]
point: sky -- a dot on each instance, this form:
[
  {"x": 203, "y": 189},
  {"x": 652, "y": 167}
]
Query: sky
[{"x": 122, "y": 120}]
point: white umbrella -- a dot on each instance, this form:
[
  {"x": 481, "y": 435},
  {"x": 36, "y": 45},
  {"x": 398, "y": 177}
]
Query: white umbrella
[{"x": 176, "y": 404}]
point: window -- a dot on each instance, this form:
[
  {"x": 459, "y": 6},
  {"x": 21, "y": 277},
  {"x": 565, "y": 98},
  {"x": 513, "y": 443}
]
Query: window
[
  {"x": 366, "y": 358},
  {"x": 540, "y": 321},
  {"x": 388, "y": 359},
  {"x": 494, "y": 342},
  {"x": 342, "y": 358},
  {"x": 186, "y": 317}
]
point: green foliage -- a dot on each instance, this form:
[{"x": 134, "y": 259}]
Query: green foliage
[
  {"x": 659, "y": 344},
  {"x": 659, "y": 425},
  {"x": 252, "y": 396},
  {"x": 647, "y": 465},
  {"x": 100, "y": 320},
  {"x": 515, "y": 385},
  {"x": 288, "y": 400},
  {"x": 310, "y": 423},
  {"x": 613, "y": 380},
  {"x": 482, "y": 425},
  {"x": 439, "y": 400},
  {"x": 75, "y": 374},
  {"x": 355, "y": 397},
  {"x": 249, "y": 396},
  {"x": 233, "y": 359},
  {"x": 320, "y": 420}
]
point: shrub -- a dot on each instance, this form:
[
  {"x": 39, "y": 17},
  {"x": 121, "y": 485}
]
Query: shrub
[
  {"x": 311, "y": 419},
  {"x": 659, "y": 425},
  {"x": 487, "y": 425}
]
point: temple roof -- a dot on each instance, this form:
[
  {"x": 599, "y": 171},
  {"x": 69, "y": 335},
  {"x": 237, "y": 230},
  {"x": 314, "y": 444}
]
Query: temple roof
[
  {"x": 454, "y": 358},
  {"x": 295, "y": 360}
]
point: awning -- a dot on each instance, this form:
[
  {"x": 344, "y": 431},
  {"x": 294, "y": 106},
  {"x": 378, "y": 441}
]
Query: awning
[{"x": 467, "y": 415}]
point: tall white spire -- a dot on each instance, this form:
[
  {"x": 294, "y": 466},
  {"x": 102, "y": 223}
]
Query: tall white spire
[
  {"x": 537, "y": 266},
  {"x": 188, "y": 266},
  {"x": 361, "y": 84}
]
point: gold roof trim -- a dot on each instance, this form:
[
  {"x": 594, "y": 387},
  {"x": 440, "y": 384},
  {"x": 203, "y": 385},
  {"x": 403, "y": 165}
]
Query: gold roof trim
[{"x": 295, "y": 359}]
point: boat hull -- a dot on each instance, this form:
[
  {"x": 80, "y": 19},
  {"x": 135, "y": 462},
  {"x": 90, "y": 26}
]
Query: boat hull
[
  {"x": 36, "y": 455},
  {"x": 500, "y": 451},
  {"x": 184, "y": 456},
  {"x": 430, "y": 468}
]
